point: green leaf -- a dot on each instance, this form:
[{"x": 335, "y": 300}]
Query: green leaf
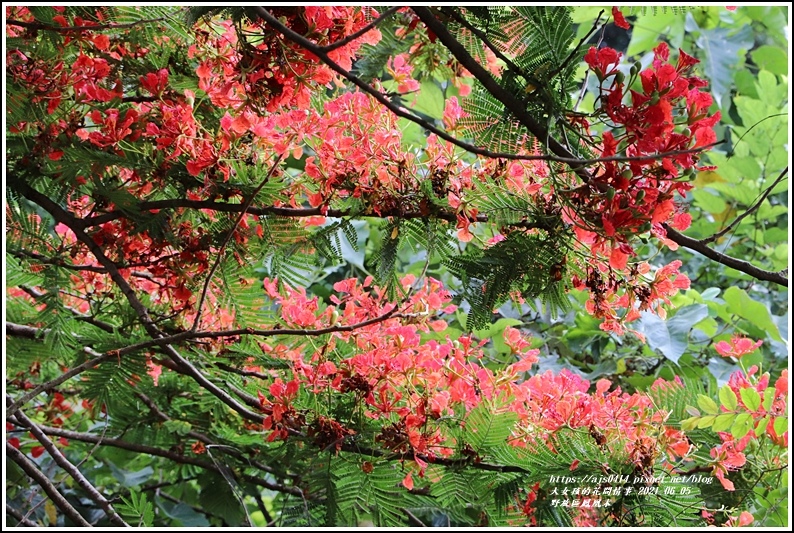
[
  {"x": 780, "y": 425},
  {"x": 671, "y": 337},
  {"x": 761, "y": 427},
  {"x": 183, "y": 513},
  {"x": 740, "y": 303},
  {"x": 692, "y": 411},
  {"x": 706, "y": 421},
  {"x": 728, "y": 398},
  {"x": 708, "y": 201},
  {"x": 708, "y": 405},
  {"x": 179, "y": 427},
  {"x": 771, "y": 58},
  {"x": 690, "y": 423},
  {"x": 769, "y": 397},
  {"x": 720, "y": 48},
  {"x": 485, "y": 429},
  {"x": 751, "y": 399},
  {"x": 131, "y": 479},
  {"x": 430, "y": 100},
  {"x": 742, "y": 425},
  {"x": 723, "y": 422}
]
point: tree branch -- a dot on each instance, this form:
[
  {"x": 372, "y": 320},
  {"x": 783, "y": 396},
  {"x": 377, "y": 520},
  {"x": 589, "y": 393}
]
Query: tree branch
[
  {"x": 70, "y": 469},
  {"x": 19, "y": 517},
  {"x": 355, "y": 35},
  {"x": 69, "y": 29},
  {"x": 77, "y": 226},
  {"x": 159, "y": 452},
  {"x": 742, "y": 266},
  {"x": 244, "y": 208},
  {"x": 36, "y": 475},
  {"x": 91, "y": 363},
  {"x": 750, "y": 209}
]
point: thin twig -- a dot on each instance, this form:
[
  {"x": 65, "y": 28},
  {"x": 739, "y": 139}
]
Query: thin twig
[
  {"x": 166, "y": 454},
  {"x": 36, "y": 475},
  {"x": 91, "y": 363},
  {"x": 562, "y": 154},
  {"x": 70, "y": 469},
  {"x": 20, "y": 517},
  {"x": 355, "y": 35},
  {"x": 68, "y": 29},
  {"x": 229, "y": 235},
  {"x": 750, "y": 209}
]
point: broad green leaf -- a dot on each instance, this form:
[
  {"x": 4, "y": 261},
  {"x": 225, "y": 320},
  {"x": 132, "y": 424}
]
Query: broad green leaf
[
  {"x": 430, "y": 99},
  {"x": 751, "y": 399},
  {"x": 780, "y": 425},
  {"x": 771, "y": 58},
  {"x": 742, "y": 425},
  {"x": 769, "y": 397},
  {"x": 728, "y": 398},
  {"x": 671, "y": 337},
  {"x": 708, "y": 201},
  {"x": 721, "y": 47},
  {"x": 723, "y": 422},
  {"x": 761, "y": 427},
  {"x": 182, "y": 512},
  {"x": 706, "y": 421},
  {"x": 708, "y": 405},
  {"x": 756, "y": 313},
  {"x": 131, "y": 479},
  {"x": 690, "y": 423}
]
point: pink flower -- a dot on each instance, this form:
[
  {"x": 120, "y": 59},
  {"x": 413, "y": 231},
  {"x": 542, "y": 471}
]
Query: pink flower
[
  {"x": 401, "y": 70},
  {"x": 738, "y": 347}
]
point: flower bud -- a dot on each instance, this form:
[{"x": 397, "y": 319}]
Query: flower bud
[
  {"x": 610, "y": 193},
  {"x": 640, "y": 196},
  {"x": 619, "y": 77},
  {"x": 627, "y": 174},
  {"x": 635, "y": 68}
]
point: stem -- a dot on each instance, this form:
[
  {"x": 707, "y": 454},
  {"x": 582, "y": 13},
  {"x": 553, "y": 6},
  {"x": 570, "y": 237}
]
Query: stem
[
  {"x": 34, "y": 473},
  {"x": 64, "y": 463}
]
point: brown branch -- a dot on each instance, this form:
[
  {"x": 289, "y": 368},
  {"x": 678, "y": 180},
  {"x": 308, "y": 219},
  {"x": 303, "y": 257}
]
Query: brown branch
[
  {"x": 355, "y": 35},
  {"x": 88, "y": 319},
  {"x": 160, "y": 452},
  {"x": 750, "y": 209},
  {"x": 91, "y": 363},
  {"x": 26, "y": 332},
  {"x": 511, "y": 103},
  {"x": 68, "y": 29},
  {"x": 70, "y": 469},
  {"x": 77, "y": 226},
  {"x": 36, "y": 475},
  {"x": 19, "y": 517},
  {"x": 737, "y": 264}
]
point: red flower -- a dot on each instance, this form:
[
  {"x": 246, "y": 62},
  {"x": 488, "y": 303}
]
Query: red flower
[{"x": 620, "y": 20}]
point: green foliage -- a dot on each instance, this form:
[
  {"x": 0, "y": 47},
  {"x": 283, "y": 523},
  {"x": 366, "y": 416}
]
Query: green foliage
[{"x": 521, "y": 263}]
